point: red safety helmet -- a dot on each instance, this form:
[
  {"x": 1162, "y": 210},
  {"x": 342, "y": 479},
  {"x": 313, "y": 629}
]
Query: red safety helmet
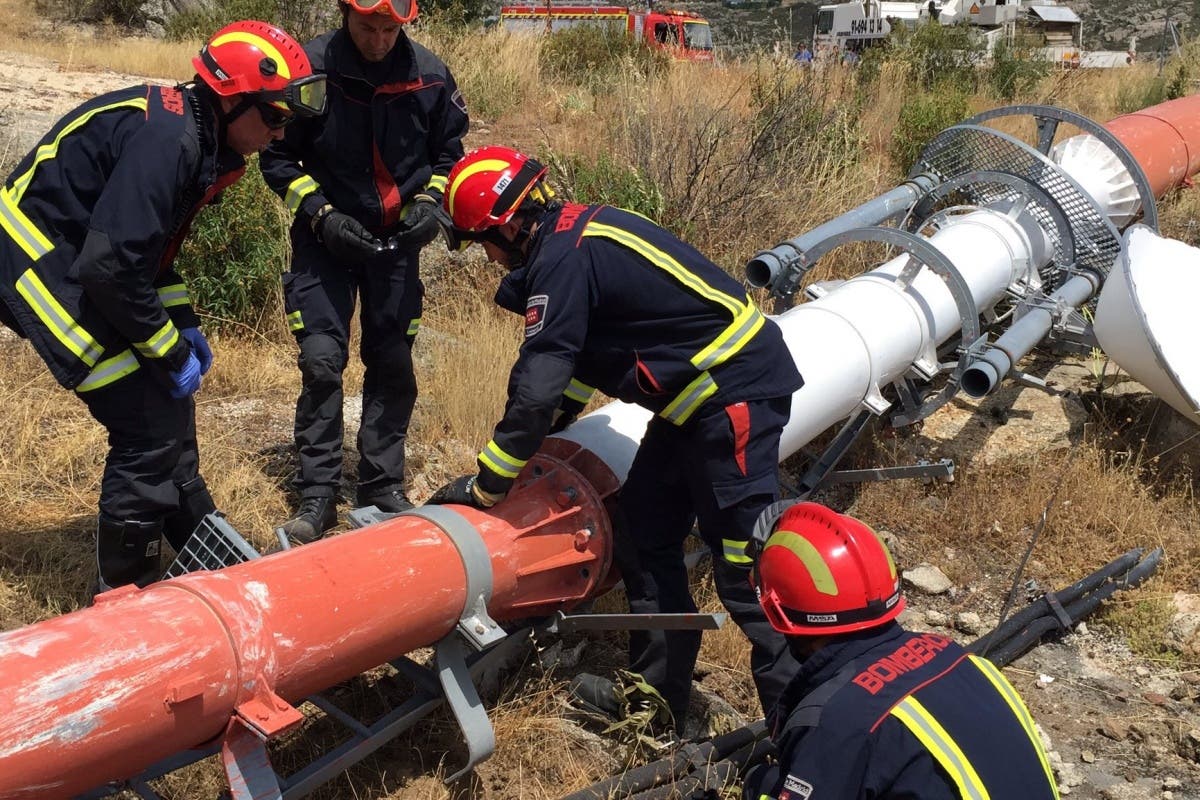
[
  {"x": 260, "y": 61},
  {"x": 485, "y": 188},
  {"x": 823, "y": 573},
  {"x": 402, "y": 11}
]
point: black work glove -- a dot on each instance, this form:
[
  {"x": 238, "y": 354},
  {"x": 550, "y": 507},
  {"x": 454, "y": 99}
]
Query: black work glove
[
  {"x": 344, "y": 236},
  {"x": 464, "y": 491},
  {"x": 420, "y": 225}
]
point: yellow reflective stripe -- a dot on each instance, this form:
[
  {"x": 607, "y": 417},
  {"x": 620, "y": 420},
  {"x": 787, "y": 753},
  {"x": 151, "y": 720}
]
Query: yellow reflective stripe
[
  {"x": 664, "y": 261},
  {"x": 679, "y": 410},
  {"x": 294, "y": 321},
  {"x": 160, "y": 343},
  {"x": 1020, "y": 711},
  {"x": 109, "y": 370},
  {"x": 579, "y": 391},
  {"x": 21, "y": 228},
  {"x": 810, "y": 557},
  {"x": 747, "y": 323},
  {"x": 254, "y": 40},
  {"x": 734, "y": 551},
  {"x": 297, "y": 190},
  {"x": 941, "y": 746},
  {"x": 50, "y": 149},
  {"x": 437, "y": 182},
  {"x": 499, "y": 461},
  {"x": 174, "y": 295},
  {"x": 69, "y": 332},
  {"x": 493, "y": 164},
  {"x": 414, "y": 325}
]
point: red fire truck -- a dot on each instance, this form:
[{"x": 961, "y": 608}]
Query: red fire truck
[{"x": 685, "y": 35}]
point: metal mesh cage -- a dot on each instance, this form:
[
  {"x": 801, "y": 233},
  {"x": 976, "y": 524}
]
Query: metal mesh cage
[
  {"x": 213, "y": 545},
  {"x": 969, "y": 148}
]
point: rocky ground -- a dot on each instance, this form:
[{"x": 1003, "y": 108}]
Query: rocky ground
[{"x": 1120, "y": 728}]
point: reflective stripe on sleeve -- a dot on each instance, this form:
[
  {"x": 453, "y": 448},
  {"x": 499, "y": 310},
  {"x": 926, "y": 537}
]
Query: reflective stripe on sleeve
[
  {"x": 500, "y": 462},
  {"x": 437, "y": 182},
  {"x": 941, "y": 746},
  {"x": 295, "y": 323},
  {"x": 413, "y": 326},
  {"x": 679, "y": 410},
  {"x": 160, "y": 343},
  {"x": 579, "y": 391},
  {"x": 69, "y": 333},
  {"x": 174, "y": 295},
  {"x": 734, "y": 551},
  {"x": 297, "y": 190},
  {"x": 747, "y": 323}
]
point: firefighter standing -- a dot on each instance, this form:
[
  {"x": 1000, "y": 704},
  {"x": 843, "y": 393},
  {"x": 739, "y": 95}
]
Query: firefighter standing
[
  {"x": 876, "y": 711},
  {"x": 364, "y": 183},
  {"x": 91, "y": 221},
  {"x": 614, "y": 302}
]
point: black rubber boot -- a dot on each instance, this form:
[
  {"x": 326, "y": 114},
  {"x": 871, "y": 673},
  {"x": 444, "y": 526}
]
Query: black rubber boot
[
  {"x": 390, "y": 502},
  {"x": 194, "y": 504},
  {"x": 315, "y": 516},
  {"x": 597, "y": 695},
  {"x": 127, "y": 551}
]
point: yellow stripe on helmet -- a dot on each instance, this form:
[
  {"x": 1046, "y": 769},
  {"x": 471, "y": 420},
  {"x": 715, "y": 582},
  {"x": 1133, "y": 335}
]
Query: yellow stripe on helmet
[
  {"x": 268, "y": 49},
  {"x": 474, "y": 169}
]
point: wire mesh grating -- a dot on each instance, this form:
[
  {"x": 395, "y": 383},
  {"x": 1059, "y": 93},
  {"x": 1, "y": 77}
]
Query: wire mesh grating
[{"x": 213, "y": 545}]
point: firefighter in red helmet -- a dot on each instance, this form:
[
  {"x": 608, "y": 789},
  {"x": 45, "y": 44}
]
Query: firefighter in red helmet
[
  {"x": 876, "y": 711},
  {"x": 613, "y": 302},
  {"x": 363, "y": 184},
  {"x": 90, "y": 222}
]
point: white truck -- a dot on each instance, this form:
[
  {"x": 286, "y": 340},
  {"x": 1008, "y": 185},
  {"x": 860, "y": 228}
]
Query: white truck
[{"x": 855, "y": 25}]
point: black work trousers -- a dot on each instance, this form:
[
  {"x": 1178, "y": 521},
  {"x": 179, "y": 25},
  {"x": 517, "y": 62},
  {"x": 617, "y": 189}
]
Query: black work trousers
[
  {"x": 152, "y": 458},
  {"x": 719, "y": 470},
  {"x": 320, "y": 295}
]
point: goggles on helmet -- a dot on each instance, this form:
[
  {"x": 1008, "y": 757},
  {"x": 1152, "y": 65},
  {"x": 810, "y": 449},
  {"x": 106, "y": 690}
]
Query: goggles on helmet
[
  {"x": 304, "y": 97},
  {"x": 401, "y": 11}
]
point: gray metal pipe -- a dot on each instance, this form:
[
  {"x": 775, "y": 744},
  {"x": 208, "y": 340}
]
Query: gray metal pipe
[
  {"x": 984, "y": 375},
  {"x": 779, "y": 264}
]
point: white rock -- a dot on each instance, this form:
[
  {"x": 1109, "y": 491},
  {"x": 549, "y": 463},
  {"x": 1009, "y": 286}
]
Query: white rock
[
  {"x": 927, "y": 579},
  {"x": 968, "y": 622}
]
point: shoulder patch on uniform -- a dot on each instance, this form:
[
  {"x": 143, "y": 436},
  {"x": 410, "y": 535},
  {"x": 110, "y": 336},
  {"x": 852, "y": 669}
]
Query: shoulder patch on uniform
[
  {"x": 535, "y": 313},
  {"x": 458, "y": 101},
  {"x": 795, "y": 789}
]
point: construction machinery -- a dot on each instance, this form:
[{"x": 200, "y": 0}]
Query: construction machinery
[{"x": 1001, "y": 245}]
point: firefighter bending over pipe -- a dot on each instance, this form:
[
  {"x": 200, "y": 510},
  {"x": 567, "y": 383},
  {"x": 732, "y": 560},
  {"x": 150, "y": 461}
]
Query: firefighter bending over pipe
[
  {"x": 91, "y": 221},
  {"x": 364, "y": 183},
  {"x": 613, "y": 302},
  {"x": 877, "y": 711}
]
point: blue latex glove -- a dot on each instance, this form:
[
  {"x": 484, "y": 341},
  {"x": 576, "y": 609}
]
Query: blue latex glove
[
  {"x": 187, "y": 379},
  {"x": 199, "y": 347}
]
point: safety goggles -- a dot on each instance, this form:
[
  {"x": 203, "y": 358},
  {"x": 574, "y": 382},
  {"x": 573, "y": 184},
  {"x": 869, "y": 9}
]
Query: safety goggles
[
  {"x": 304, "y": 97},
  {"x": 400, "y": 10}
]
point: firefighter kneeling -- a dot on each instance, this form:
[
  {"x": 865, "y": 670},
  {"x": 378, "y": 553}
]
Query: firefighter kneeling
[{"x": 875, "y": 710}]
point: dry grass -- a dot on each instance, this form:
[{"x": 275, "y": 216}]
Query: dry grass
[{"x": 51, "y": 452}]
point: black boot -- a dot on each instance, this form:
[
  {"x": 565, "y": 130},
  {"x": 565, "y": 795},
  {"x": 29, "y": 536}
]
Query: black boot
[
  {"x": 315, "y": 516},
  {"x": 127, "y": 551},
  {"x": 194, "y": 504},
  {"x": 392, "y": 501}
]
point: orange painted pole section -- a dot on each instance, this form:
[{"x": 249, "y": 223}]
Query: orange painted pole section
[
  {"x": 1163, "y": 139},
  {"x": 102, "y": 693}
]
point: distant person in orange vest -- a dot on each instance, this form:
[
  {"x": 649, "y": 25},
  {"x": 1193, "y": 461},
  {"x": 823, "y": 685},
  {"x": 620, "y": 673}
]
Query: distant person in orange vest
[
  {"x": 877, "y": 711},
  {"x": 90, "y": 222}
]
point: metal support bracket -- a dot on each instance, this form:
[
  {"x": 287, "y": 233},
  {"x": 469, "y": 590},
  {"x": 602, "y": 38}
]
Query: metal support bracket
[
  {"x": 247, "y": 765},
  {"x": 565, "y": 623},
  {"x": 464, "y": 701}
]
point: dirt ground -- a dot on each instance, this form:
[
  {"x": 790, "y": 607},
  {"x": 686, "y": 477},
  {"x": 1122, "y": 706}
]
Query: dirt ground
[{"x": 1120, "y": 728}]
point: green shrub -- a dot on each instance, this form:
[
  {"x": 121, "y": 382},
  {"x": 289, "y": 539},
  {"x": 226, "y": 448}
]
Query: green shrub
[
  {"x": 1015, "y": 71},
  {"x": 303, "y": 19},
  {"x": 939, "y": 54},
  {"x": 1135, "y": 94},
  {"x": 597, "y": 55},
  {"x": 235, "y": 253},
  {"x": 923, "y": 117},
  {"x": 603, "y": 180},
  {"x": 129, "y": 13}
]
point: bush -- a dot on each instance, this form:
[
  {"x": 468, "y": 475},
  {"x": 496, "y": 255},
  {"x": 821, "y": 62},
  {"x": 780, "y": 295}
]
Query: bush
[
  {"x": 302, "y": 19},
  {"x": 1014, "y": 71},
  {"x": 603, "y": 180},
  {"x": 596, "y": 56},
  {"x": 235, "y": 253},
  {"x": 922, "y": 118},
  {"x": 129, "y": 13},
  {"x": 939, "y": 54}
]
